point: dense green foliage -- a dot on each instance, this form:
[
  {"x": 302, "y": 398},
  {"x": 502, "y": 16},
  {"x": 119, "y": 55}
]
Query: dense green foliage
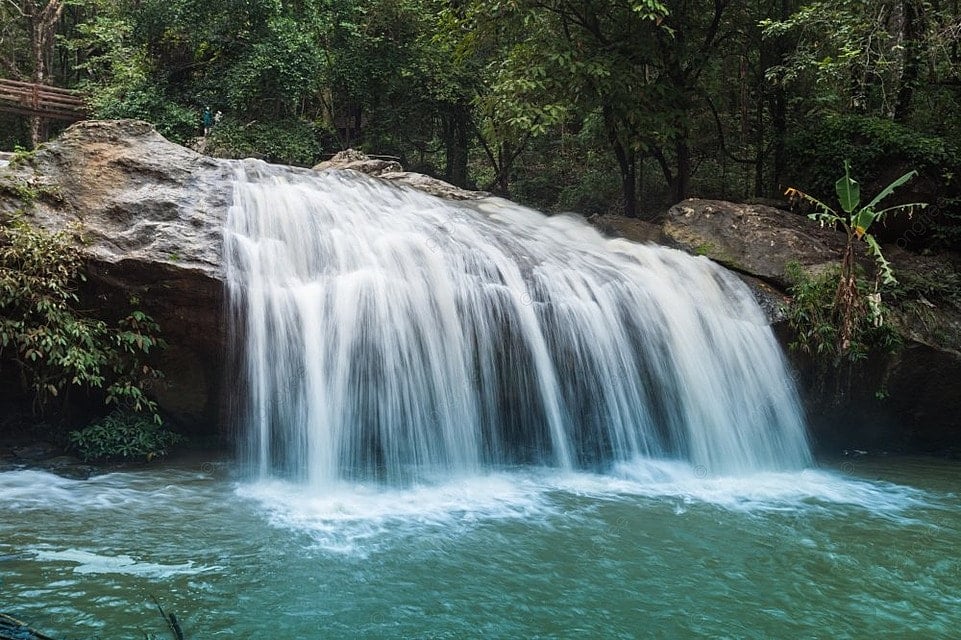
[
  {"x": 813, "y": 315},
  {"x": 594, "y": 105},
  {"x": 56, "y": 348},
  {"x": 880, "y": 149},
  {"x": 123, "y": 435}
]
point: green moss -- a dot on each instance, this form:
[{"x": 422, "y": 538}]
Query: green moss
[
  {"x": 20, "y": 189},
  {"x": 705, "y": 249},
  {"x": 28, "y": 191},
  {"x": 22, "y": 157},
  {"x": 715, "y": 253}
]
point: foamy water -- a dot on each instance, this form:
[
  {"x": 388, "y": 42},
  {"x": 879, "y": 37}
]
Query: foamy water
[
  {"x": 348, "y": 516},
  {"x": 510, "y": 552}
]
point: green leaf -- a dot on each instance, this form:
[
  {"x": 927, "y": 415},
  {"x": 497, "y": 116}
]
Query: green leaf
[
  {"x": 884, "y": 267},
  {"x": 888, "y": 190},
  {"x": 849, "y": 191},
  {"x": 862, "y": 221}
]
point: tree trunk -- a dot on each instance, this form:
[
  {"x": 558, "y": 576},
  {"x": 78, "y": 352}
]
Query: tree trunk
[
  {"x": 779, "y": 111},
  {"x": 911, "y": 29},
  {"x": 505, "y": 160},
  {"x": 682, "y": 177},
  {"x": 760, "y": 153},
  {"x": 457, "y": 141},
  {"x": 43, "y": 26},
  {"x": 629, "y": 185},
  {"x": 626, "y": 161},
  {"x": 779, "y": 123}
]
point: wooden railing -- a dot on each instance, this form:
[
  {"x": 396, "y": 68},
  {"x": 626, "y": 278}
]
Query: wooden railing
[{"x": 29, "y": 99}]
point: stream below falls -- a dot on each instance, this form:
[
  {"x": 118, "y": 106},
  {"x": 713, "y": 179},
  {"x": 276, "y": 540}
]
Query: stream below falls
[{"x": 653, "y": 548}]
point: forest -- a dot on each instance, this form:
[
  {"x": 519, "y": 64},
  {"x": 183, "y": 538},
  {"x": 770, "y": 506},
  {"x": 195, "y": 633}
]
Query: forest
[{"x": 593, "y": 106}]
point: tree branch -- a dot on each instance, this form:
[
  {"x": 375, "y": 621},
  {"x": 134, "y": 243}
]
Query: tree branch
[
  {"x": 18, "y": 9},
  {"x": 11, "y": 67},
  {"x": 51, "y": 13},
  {"x": 665, "y": 166}
]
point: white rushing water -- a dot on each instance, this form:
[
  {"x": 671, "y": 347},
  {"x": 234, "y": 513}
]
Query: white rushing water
[{"x": 384, "y": 333}]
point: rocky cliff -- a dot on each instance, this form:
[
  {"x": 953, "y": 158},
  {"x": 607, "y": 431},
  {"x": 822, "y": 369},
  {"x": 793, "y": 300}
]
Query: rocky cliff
[{"x": 150, "y": 213}]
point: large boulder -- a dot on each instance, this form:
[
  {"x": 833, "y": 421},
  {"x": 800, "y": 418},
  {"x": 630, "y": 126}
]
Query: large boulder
[
  {"x": 391, "y": 170},
  {"x": 359, "y": 161},
  {"x": 754, "y": 239},
  {"x": 151, "y": 215}
]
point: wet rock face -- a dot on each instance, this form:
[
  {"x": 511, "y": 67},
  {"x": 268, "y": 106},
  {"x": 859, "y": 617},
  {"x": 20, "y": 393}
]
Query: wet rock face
[
  {"x": 152, "y": 216},
  {"x": 137, "y": 195},
  {"x": 919, "y": 408}
]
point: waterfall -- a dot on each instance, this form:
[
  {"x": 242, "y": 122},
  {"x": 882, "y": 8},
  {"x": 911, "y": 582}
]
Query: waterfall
[{"x": 382, "y": 333}]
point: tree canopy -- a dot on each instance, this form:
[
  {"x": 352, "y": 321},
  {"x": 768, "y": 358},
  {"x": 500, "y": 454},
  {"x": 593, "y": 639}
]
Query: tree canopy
[{"x": 592, "y": 105}]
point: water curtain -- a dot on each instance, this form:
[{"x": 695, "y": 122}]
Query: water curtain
[{"x": 382, "y": 333}]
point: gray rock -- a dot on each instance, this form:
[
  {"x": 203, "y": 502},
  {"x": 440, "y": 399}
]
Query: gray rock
[
  {"x": 433, "y": 186},
  {"x": 69, "y": 467},
  {"x": 353, "y": 160},
  {"x": 35, "y": 452},
  {"x": 753, "y": 239},
  {"x": 358, "y": 161},
  {"x": 151, "y": 215},
  {"x": 629, "y": 228}
]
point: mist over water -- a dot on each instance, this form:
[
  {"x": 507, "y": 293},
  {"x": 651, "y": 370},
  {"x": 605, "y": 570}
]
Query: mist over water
[{"x": 384, "y": 334}]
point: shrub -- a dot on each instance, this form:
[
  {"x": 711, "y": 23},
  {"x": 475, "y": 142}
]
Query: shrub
[
  {"x": 123, "y": 435},
  {"x": 812, "y": 316},
  {"x": 290, "y": 141},
  {"x": 54, "y": 346},
  {"x": 880, "y": 149}
]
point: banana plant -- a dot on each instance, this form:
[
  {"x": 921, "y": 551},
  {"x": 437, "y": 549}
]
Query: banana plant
[
  {"x": 856, "y": 221},
  {"x": 851, "y": 305}
]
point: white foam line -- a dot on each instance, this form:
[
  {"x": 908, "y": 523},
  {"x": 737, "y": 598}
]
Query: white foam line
[
  {"x": 354, "y": 518},
  {"x": 342, "y": 517},
  {"x": 757, "y": 491},
  {"x": 94, "y": 563}
]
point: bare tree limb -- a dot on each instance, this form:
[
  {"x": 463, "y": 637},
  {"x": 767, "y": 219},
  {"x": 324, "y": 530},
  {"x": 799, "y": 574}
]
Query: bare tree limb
[{"x": 18, "y": 9}]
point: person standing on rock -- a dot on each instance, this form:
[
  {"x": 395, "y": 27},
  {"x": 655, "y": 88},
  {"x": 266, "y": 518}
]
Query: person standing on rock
[{"x": 208, "y": 121}]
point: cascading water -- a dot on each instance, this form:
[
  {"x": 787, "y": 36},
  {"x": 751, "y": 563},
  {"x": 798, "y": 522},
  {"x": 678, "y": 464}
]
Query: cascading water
[{"x": 384, "y": 333}]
